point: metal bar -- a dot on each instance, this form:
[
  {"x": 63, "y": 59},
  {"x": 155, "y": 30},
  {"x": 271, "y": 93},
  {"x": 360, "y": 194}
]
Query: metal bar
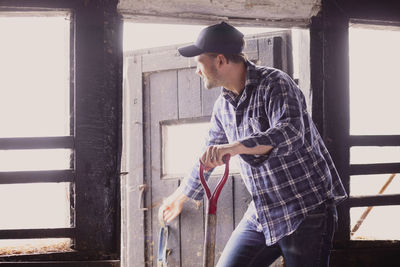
[
  {"x": 358, "y": 169},
  {"x": 37, "y": 142},
  {"x": 378, "y": 200},
  {"x": 37, "y": 177},
  {"x": 374, "y": 140},
  {"x": 37, "y": 233}
]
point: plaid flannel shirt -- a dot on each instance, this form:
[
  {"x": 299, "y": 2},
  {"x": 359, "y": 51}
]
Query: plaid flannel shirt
[{"x": 296, "y": 176}]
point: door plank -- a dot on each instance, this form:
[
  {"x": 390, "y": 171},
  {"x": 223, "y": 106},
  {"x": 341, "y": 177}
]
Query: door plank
[
  {"x": 134, "y": 161},
  {"x": 192, "y": 234},
  {"x": 251, "y": 49},
  {"x": 208, "y": 99},
  {"x": 266, "y": 52},
  {"x": 163, "y": 106},
  {"x": 189, "y": 94}
]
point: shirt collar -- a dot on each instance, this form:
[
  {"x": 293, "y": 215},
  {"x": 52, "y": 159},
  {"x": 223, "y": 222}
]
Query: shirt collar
[{"x": 250, "y": 83}]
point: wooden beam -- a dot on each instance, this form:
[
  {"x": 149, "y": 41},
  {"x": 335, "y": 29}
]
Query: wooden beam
[
  {"x": 374, "y": 140},
  {"x": 359, "y": 169},
  {"x": 37, "y": 142},
  {"x": 37, "y": 233},
  {"x": 378, "y": 200},
  {"x": 37, "y": 177},
  {"x": 109, "y": 263}
]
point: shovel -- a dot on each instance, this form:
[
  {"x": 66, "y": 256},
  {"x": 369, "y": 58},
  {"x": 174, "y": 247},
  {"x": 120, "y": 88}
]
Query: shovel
[{"x": 211, "y": 215}]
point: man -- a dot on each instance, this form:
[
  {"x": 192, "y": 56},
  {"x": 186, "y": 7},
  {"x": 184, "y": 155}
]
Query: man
[{"x": 261, "y": 116}]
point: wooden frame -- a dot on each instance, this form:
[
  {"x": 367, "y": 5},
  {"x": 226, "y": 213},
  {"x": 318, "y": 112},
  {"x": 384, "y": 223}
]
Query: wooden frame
[
  {"x": 96, "y": 96},
  {"x": 330, "y": 84}
]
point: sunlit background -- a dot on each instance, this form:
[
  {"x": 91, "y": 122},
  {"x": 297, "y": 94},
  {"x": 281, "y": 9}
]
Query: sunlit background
[
  {"x": 374, "y": 110},
  {"x": 35, "y": 102}
]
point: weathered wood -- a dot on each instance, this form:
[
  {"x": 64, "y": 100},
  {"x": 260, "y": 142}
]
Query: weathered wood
[
  {"x": 160, "y": 190},
  {"x": 208, "y": 99},
  {"x": 202, "y": 19},
  {"x": 266, "y": 52},
  {"x": 167, "y": 60},
  {"x": 251, "y": 48},
  {"x": 98, "y": 108},
  {"x": 378, "y": 200},
  {"x": 133, "y": 145},
  {"x": 278, "y": 53},
  {"x": 37, "y": 142},
  {"x": 37, "y": 233},
  {"x": 357, "y": 169},
  {"x": 148, "y": 229},
  {"x": 37, "y": 177},
  {"x": 335, "y": 88},
  {"x": 111, "y": 263},
  {"x": 254, "y": 11},
  {"x": 372, "y": 256},
  {"x": 374, "y": 140},
  {"x": 163, "y": 106},
  {"x": 303, "y": 66},
  {"x": 191, "y": 219},
  {"x": 317, "y": 73},
  {"x": 189, "y": 94},
  {"x": 192, "y": 234}
]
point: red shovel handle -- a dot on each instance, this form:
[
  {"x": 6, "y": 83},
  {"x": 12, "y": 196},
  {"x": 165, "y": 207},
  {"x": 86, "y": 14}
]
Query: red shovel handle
[{"x": 213, "y": 198}]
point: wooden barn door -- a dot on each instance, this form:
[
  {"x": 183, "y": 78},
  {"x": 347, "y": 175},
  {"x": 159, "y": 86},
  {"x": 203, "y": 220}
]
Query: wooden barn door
[{"x": 161, "y": 88}]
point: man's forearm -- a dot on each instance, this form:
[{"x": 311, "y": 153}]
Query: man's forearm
[{"x": 239, "y": 148}]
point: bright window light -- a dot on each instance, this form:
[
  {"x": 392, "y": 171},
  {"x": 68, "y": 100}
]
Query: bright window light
[
  {"x": 35, "y": 206},
  {"x": 182, "y": 146},
  {"x": 145, "y": 35},
  {"x": 35, "y": 102},
  {"x": 363, "y": 185},
  {"x": 35, "y": 159},
  {"x": 374, "y": 87},
  {"x": 374, "y": 154},
  {"x": 374, "y": 93},
  {"x": 382, "y": 223},
  {"x": 34, "y": 84}
]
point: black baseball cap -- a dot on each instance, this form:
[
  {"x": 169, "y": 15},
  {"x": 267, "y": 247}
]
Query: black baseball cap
[{"x": 219, "y": 38}]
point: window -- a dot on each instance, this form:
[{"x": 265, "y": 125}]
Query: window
[
  {"x": 179, "y": 150},
  {"x": 374, "y": 132},
  {"x": 36, "y": 140}
]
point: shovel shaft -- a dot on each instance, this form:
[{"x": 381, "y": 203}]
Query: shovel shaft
[
  {"x": 209, "y": 240},
  {"x": 211, "y": 216}
]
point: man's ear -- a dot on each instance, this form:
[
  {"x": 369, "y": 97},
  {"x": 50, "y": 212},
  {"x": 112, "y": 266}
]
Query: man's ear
[{"x": 221, "y": 60}]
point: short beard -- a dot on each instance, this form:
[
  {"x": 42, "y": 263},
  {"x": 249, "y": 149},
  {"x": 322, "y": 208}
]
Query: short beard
[{"x": 214, "y": 81}]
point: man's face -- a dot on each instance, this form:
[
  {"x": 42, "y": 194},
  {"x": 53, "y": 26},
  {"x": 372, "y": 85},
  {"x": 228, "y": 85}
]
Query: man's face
[{"x": 207, "y": 69}]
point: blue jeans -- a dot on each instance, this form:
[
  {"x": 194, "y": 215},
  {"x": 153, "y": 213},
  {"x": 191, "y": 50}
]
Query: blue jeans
[{"x": 308, "y": 246}]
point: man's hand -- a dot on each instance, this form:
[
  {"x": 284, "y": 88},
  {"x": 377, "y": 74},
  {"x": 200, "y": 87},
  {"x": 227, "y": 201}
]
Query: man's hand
[
  {"x": 172, "y": 206},
  {"x": 212, "y": 157}
]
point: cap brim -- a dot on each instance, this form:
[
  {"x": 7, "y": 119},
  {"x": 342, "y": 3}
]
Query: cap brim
[{"x": 190, "y": 51}]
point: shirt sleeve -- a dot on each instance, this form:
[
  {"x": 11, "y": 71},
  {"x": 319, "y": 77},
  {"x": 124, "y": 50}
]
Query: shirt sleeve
[
  {"x": 285, "y": 109},
  {"x": 191, "y": 185}
]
